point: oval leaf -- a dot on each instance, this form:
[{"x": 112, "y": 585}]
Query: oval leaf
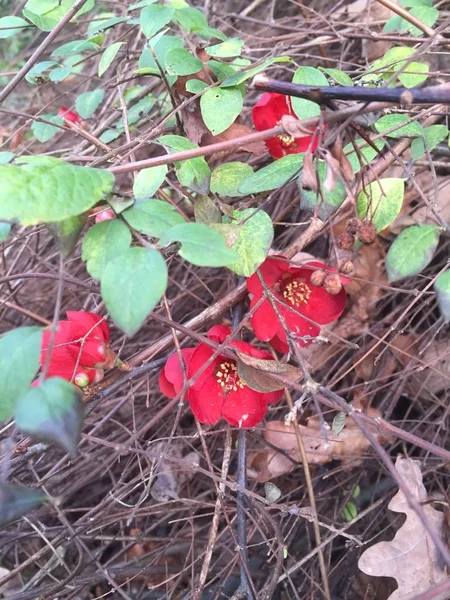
[
  {"x": 107, "y": 57},
  {"x": 412, "y": 251},
  {"x": 181, "y": 62},
  {"x": 132, "y": 285},
  {"x": 52, "y": 412},
  {"x": 104, "y": 242},
  {"x": 67, "y": 233},
  {"x": 86, "y": 104},
  {"x": 226, "y": 179},
  {"x": 47, "y": 189},
  {"x": 442, "y": 289},
  {"x": 154, "y": 17},
  {"x": 253, "y": 372},
  {"x": 148, "y": 181},
  {"x": 326, "y": 203},
  {"x": 305, "y": 109},
  {"x": 381, "y": 201},
  {"x": 273, "y": 176},
  {"x": 16, "y": 500},
  {"x": 152, "y": 217},
  {"x": 200, "y": 245},
  {"x": 19, "y": 361},
  {"x": 220, "y": 108}
]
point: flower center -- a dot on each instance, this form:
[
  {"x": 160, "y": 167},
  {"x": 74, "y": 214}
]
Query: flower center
[
  {"x": 228, "y": 377},
  {"x": 296, "y": 292},
  {"x": 286, "y": 140}
]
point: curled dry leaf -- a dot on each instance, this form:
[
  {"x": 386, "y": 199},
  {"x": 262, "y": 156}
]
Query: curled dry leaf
[
  {"x": 293, "y": 127},
  {"x": 432, "y": 374},
  {"x": 170, "y": 474},
  {"x": 347, "y": 446},
  {"x": 253, "y": 372},
  {"x": 236, "y": 130},
  {"x": 411, "y": 557}
]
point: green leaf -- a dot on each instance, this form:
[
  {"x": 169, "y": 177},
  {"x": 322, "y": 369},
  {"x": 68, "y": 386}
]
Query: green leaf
[
  {"x": 350, "y": 511},
  {"x": 442, "y": 291},
  {"x": 11, "y": 26},
  {"x": 238, "y": 78},
  {"x": 433, "y": 135},
  {"x": 220, "y": 108},
  {"x": 326, "y": 203},
  {"x": 6, "y": 157},
  {"x": 193, "y": 20},
  {"x": 273, "y": 176},
  {"x": 395, "y": 60},
  {"x": 200, "y": 245},
  {"x": 338, "y": 76},
  {"x": 366, "y": 153},
  {"x": 397, "y": 123},
  {"x": 104, "y": 242},
  {"x": 427, "y": 14},
  {"x": 411, "y": 251},
  {"x": 193, "y": 173},
  {"x": 232, "y": 47},
  {"x": 5, "y": 230},
  {"x": 206, "y": 211},
  {"x": 155, "y": 17},
  {"x": 74, "y": 47},
  {"x": 44, "y": 131},
  {"x": 181, "y": 62},
  {"x": 86, "y": 104},
  {"x": 52, "y": 412},
  {"x": 36, "y": 73},
  {"x": 148, "y": 181},
  {"x": 16, "y": 500},
  {"x": 107, "y": 57},
  {"x": 19, "y": 361},
  {"x": 226, "y": 178},
  {"x": 305, "y": 109},
  {"x": 46, "y": 189},
  {"x": 103, "y": 21},
  {"x": 338, "y": 423},
  {"x": 132, "y": 285},
  {"x": 46, "y": 14},
  {"x": 160, "y": 46},
  {"x": 152, "y": 217},
  {"x": 195, "y": 86},
  {"x": 254, "y": 238},
  {"x": 381, "y": 201},
  {"x": 67, "y": 233}
]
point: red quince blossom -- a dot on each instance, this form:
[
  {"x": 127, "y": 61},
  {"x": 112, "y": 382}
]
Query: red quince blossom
[
  {"x": 69, "y": 115},
  {"x": 218, "y": 391},
  {"x": 80, "y": 349},
  {"x": 107, "y": 214},
  {"x": 267, "y": 113},
  {"x": 303, "y": 306}
]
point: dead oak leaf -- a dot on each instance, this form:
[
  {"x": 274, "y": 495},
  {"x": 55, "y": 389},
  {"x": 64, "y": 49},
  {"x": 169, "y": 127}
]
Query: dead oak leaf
[{"x": 410, "y": 558}]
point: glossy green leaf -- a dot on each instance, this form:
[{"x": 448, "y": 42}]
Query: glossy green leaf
[
  {"x": 181, "y": 62},
  {"x": 338, "y": 76},
  {"x": 273, "y": 176},
  {"x": 206, "y": 211},
  {"x": 350, "y": 511},
  {"x": 395, "y": 60},
  {"x": 426, "y": 14},
  {"x": 148, "y": 181},
  {"x": 253, "y": 241},
  {"x": 74, "y": 47},
  {"x": 16, "y": 500},
  {"x": 305, "y": 109},
  {"x": 326, "y": 203},
  {"x": 102, "y": 22},
  {"x": 19, "y": 362},
  {"x": 442, "y": 291},
  {"x": 36, "y": 74},
  {"x": 396, "y": 123},
  {"x": 52, "y": 412},
  {"x": 226, "y": 178},
  {"x": 232, "y": 47},
  {"x": 11, "y": 26},
  {"x": 193, "y": 173},
  {"x": 381, "y": 201},
  {"x": 411, "y": 251},
  {"x": 67, "y": 233},
  {"x": 107, "y": 57},
  {"x": 193, "y": 20},
  {"x": 195, "y": 86},
  {"x": 132, "y": 285},
  {"x": 220, "y": 108},
  {"x": 44, "y": 131},
  {"x": 160, "y": 46},
  {"x": 86, "y": 104},
  {"x": 46, "y": 14},
  {"x": 155, "y": 17},
  {"x": 46, "y": 189},
  {"x": 365, "y": 154},
  {"x": 432, "y": 136},
  {"x": 200, "y": 245},
  {"x": 152, "y": 217},
  {"x": 238, "y": 78},
  {"x": 104, "y": 242}
]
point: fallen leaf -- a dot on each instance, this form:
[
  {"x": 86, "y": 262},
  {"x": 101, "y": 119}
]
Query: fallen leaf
[
  {"x": 347, "y": 446},
  {"x": 170, "y": 474},
  {"x": 432, "y": 371},
  {"x": 252, "y": 371},
  {"x": 410, "y": 558},
  {"x": 236, "y": 130}
]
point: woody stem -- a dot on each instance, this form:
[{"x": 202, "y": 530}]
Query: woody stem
[{"x": 439, "y": 94}]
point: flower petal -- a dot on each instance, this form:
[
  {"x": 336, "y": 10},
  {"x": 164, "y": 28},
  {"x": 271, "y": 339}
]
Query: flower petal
[
  {"x": 244, "y": 408},
  {"x": 206, "y": 402},
  {"x": 173, "y": 371},
  {"x": 297, "y": 324},
  {"x": 167, "y": 388},
  {"x": 322, "y": 307},
  {"x": 271, "y": 271},
  {"x": 275, "y": 396},
  {"x": 264, "y": 321},
  {"x": 268, "y": 110},
  {"x": 219, "y": 333},
  {"x": 89, "y": 323},
  {"x": 199, "y": 357}
]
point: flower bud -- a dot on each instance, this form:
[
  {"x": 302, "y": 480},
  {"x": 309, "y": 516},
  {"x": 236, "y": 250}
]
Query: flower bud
[
  {"x": 105, "y": 215},
  {"x": 353, "y": 225},
  {"x": 81, "y": 380},
  {"x": 333, "y": 284},
  {"x": 367, "y": 232},
  {"x": 346, "y": 240},
  {"x": 318, "y": 277}
]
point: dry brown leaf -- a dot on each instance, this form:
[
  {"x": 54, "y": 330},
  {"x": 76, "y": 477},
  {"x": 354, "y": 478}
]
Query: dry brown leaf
[
  {"x": 236, "y": 130},
  {"x": 347, "y": 446},
  {"x": 170, "y": 474},
  {"x": 410, "y": 558},
  {"x": 433, "y": 373},
  {"x": 252, "y": 371}
]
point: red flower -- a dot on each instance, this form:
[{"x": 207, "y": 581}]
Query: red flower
[
  {"x": 80, "y": 349},
  {"x": 267, "y": 113},
  {"x": 295, "y": 298},
  {"x": 107, "y": 214},
  {"x": 69, "y": 115},
  {"x": 218, "y": 391}
]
